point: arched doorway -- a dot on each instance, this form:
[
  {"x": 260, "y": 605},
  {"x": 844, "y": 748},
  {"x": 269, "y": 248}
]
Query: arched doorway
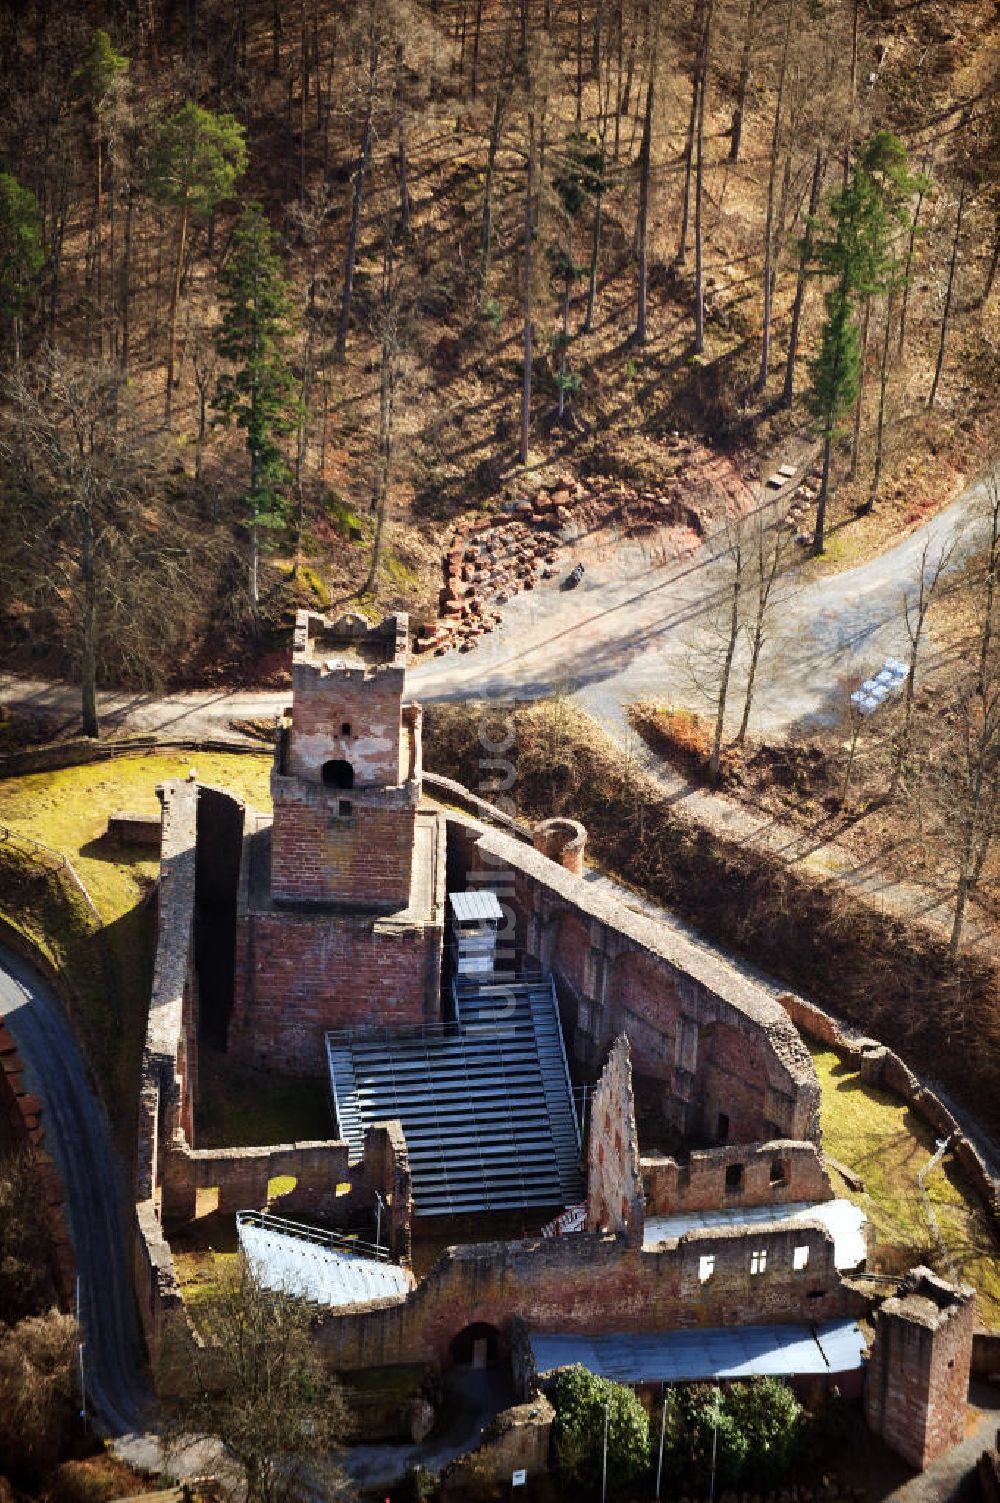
[
  {"x": 476, "y": 1346},
  {"x": 338, "y": 774}
]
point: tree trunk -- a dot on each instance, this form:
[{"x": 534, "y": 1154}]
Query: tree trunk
[
  {"x": 579, "y": 62},
  {"x": 642, "y": 228},
  {"x": 474, "y": 81},
  {"x": 404, "y": 181},
  {"x": 756, "y": 643},
  {"x": 736, "y": 129},
  {"x": 492, "y": 150},
  {"x": 883, "y": 382},
  {"x": 681, "y": 256},
  {"x": 364, "y": 148},
  {"x": 98, "y": 258},
  {"x": 385, "y": 428},
  {"x": 992, "y": 269},
  {"x": 727, "y": 667},
  {"x": 772, "y": 177},
  {"x": 595, "y": 246},
  {"x": 303, "y": 107},
  {"x": 819, "y": 535},
  {"x": 175, "y": 297},
  {"x": 88, "y": 664},
  {"x": 124, "y": 300},
  {"x": 906, "y": 272},
  {"x": 992, "y": 570},
  {"x": 800, "y": 285},
  {"x": 859, "y": 407},
  {"x": 528, "y": 235},
  {"x": 699, "y": 269},
  {"x": 948, "y": 297},
  {"x": 619, "y": 75}
]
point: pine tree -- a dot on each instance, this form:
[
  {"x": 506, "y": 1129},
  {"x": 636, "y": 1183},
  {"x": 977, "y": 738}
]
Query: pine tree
[
  {"x": 834, "y": 373},
  {"x": 22, "y": 252},
  {"x": 257, "y": 395},
  {"x": 197, "y": 161},
  {"x": 855, "y": 247},
  {"x": 94, "y": 81}
]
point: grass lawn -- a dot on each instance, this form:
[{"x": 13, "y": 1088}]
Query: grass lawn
[
  {"x": 108, "y": 970},
  {"x": 239, "y": 1108},
  {"x": 882, "y": 1139}
]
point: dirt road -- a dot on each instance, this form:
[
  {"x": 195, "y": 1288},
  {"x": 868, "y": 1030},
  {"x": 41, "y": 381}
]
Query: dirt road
[{"x": 639, "y": 625}]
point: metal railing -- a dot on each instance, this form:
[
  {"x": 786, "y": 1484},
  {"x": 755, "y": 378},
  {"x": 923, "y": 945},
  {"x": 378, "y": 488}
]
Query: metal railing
[{"x": 317, "y": 1235}]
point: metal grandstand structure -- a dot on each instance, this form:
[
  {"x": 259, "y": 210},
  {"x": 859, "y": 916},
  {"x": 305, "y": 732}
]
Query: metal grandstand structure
[
  {"x": 329, "y": 1268},
  {"x": 485, "y": 1099}
]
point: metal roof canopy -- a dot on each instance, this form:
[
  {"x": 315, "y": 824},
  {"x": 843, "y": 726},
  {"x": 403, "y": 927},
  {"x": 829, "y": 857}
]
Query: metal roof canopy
[
  {"x": 842, "y": 1218},
  {"x": 298, "y": 1263},
  {"x": 476, "y": 907},
  {"x": 835, "y": 1346}
]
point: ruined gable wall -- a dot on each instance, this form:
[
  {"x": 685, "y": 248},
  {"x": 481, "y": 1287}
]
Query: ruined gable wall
[{"x": 614, "y": 1184}]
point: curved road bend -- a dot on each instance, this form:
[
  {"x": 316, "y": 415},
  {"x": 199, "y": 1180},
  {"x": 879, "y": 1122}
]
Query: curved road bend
[{"x": 77, "y": 1137}]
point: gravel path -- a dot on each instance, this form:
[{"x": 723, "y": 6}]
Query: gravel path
[{"x": 77, "y": 1137}]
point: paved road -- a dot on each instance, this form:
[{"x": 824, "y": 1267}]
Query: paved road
[
  {"x": 77, "y": 1136},
  {"x": 640, "y": 625}
]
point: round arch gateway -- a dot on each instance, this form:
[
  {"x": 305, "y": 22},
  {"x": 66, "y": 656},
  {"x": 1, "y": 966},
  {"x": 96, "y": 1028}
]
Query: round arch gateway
[{"x": 476, "y": 1346}]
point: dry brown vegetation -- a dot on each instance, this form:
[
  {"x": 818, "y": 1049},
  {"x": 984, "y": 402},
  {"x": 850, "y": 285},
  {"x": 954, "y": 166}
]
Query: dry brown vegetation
[{"x": 303, "y": 92}]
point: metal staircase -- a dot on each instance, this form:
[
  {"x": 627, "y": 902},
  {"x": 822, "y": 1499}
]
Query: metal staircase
[{"x": 485, "y": 1101}]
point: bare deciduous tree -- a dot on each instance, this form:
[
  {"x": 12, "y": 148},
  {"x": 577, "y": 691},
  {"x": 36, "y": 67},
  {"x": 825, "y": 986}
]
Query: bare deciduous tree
[{"x": 262, "y": 1388}]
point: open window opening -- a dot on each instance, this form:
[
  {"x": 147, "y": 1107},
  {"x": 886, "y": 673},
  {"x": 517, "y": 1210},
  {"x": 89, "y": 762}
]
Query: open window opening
[
  {"x": 338, "y": 774},
  {"x": 734, "y": 1179}
]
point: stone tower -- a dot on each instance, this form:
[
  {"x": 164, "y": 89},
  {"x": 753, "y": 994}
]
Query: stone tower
[
  {"x": 340, "y": 909},
  {"x": 918, "y": 1376},
  {"x": 346, "y": 780}
]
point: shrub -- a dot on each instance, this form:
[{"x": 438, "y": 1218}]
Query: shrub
[
  {"x": 581, "y": 1400},
  {"x": 755, "y": 1427},
  {"x": 25, "y": 1284},
  {"x": 36, "y": 1393}
]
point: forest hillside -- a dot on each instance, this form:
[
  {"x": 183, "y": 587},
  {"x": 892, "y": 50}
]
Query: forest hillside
[{"x": 291, "y": 289}]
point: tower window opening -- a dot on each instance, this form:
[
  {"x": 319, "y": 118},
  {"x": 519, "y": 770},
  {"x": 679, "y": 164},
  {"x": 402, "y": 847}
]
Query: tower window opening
[
  {"x": 345, "y": 729},
  {"x": 338, "y": 774}
]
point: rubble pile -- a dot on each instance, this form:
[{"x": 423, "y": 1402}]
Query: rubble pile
[{"x": 493, "y": 559}]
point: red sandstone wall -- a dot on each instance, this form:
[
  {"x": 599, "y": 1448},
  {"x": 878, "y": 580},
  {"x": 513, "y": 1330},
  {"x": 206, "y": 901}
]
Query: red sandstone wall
[
  {"x": 371, "y": 705},
  {"x": 320, "y": 855},
  {"x": 700, "y": 1183},
  {"x": 299, "y": 975},
  {"x": 595, "y": 1284},
  {"x": 646, "y": 1004},
  {"x": 918, "y": 1379},
  {"x": 614, "y": 1186},
  {"x": 732, "y": 1082},
  {"x": 618, "y": 972}
]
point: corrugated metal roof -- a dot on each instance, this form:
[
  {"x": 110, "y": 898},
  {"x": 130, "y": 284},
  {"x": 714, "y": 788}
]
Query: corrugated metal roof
[
  {"x": 476, "y": 906},
  {"x": 836, "y": 1346},
  {"x": 324, "y": 1275},
  {"x": 845, "y": 1221}
]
